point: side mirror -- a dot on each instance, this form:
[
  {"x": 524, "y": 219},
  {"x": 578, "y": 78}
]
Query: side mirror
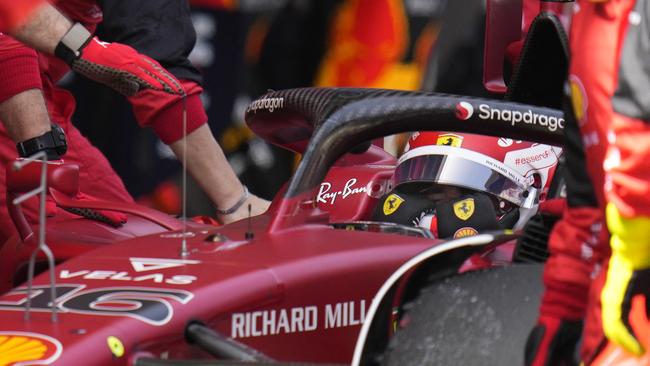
[{"x": 503, "y": 26}]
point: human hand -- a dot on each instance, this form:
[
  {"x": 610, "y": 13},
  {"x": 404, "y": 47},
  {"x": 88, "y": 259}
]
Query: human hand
[
  {"x": 628, "y": 275},
  {"x": 553, "y": 341},
  {"x": 113, "y": 64},
  {"x": 124, "y": 69}
]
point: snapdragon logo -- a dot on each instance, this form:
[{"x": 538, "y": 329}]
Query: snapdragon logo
[
  {"x": 514, "y": 117},
  {"x": 269, "y": 104},
  {"x": 464, "y": 111}
]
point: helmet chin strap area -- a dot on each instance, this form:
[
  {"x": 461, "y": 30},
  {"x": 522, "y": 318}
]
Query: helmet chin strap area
[{"x": 509, "y": 219}]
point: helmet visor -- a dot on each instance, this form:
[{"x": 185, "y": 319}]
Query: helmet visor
[{"x": 458, "y": 171}]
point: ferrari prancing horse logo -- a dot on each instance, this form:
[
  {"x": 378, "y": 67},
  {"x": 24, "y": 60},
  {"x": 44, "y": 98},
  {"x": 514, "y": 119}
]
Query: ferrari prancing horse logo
[
  {"x": 464, "y": 209},
  {"x": 392, "y": 203},
  {"x": 450, "y": 139}
]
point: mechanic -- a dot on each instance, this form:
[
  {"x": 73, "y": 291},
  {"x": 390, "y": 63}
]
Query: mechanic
[
  {"x": 608, "y": 42},
  {"x": 579, "y": 240},
  {"x": 158, "y": 105},
  {"x": 576, "y": 243},
  {"x": 457, "y": 185},
  {"x": 627, "y": 161}
]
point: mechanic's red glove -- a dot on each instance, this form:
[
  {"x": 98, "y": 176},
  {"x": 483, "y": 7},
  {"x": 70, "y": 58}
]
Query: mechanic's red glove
[
  {"x": 553, "y": 342},
  {"x": 115, "y": 65},
  {"x": 124, "y": 69}
]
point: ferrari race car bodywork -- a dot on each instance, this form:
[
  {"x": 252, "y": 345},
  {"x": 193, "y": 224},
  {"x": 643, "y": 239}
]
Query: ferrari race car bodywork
[{"x": 294, "y": 284}]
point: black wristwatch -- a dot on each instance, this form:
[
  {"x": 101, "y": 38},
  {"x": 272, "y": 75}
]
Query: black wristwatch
[{"x": 52, "y": 142}]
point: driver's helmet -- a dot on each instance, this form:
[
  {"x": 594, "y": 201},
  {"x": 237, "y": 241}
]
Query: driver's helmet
[{"x": 508, "y": 177}]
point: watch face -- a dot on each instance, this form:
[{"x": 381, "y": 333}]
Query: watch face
[{"x": 60, "y": 142}]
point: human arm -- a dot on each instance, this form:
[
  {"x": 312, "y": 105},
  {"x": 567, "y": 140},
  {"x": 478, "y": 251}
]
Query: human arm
[
  {"x": 25, "y": 115},
  {"x": 22, "y": 106},
  {"x": 208, "y": 165},
  {"x": 44, "y": 29}
]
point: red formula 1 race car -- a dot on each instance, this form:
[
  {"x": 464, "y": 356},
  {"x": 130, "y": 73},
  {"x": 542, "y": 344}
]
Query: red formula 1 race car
[{"x": 294, "y": 284}]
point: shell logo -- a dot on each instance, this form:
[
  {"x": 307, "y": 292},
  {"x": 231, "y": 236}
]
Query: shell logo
[
  {"x": 26, "y": 349},
  {"x": 464, "y": 111},
  {"x": 465, "y": 232}
]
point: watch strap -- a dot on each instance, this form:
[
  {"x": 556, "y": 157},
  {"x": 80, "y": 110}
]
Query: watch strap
[
  {"x": 70, "y": 46},
  {"x": 52, "y": 142}
]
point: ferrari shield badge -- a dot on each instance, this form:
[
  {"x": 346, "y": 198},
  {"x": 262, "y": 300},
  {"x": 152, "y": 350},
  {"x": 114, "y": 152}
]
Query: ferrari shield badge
[
  {"x": 392, "y": 203},
  {"x": 464, "y": 209},
  {"x": 449, "y": 139}
]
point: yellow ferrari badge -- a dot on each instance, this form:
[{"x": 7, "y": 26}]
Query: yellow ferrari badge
[
  {"x": 392, "y": 203},
  {"x": 579, "y": 99},
  {"x": 449, "y": 139},
  {"x": 464, "y": 209}
]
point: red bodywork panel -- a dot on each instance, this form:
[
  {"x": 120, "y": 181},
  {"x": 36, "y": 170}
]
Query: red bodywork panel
[
  {"x": 317, "y": 272},
  {"x": 354, "y": 185}
]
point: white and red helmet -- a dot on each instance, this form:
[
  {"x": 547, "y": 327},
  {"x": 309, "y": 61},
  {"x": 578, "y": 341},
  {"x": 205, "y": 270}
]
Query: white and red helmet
[{"x": 516, "y": 174}]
